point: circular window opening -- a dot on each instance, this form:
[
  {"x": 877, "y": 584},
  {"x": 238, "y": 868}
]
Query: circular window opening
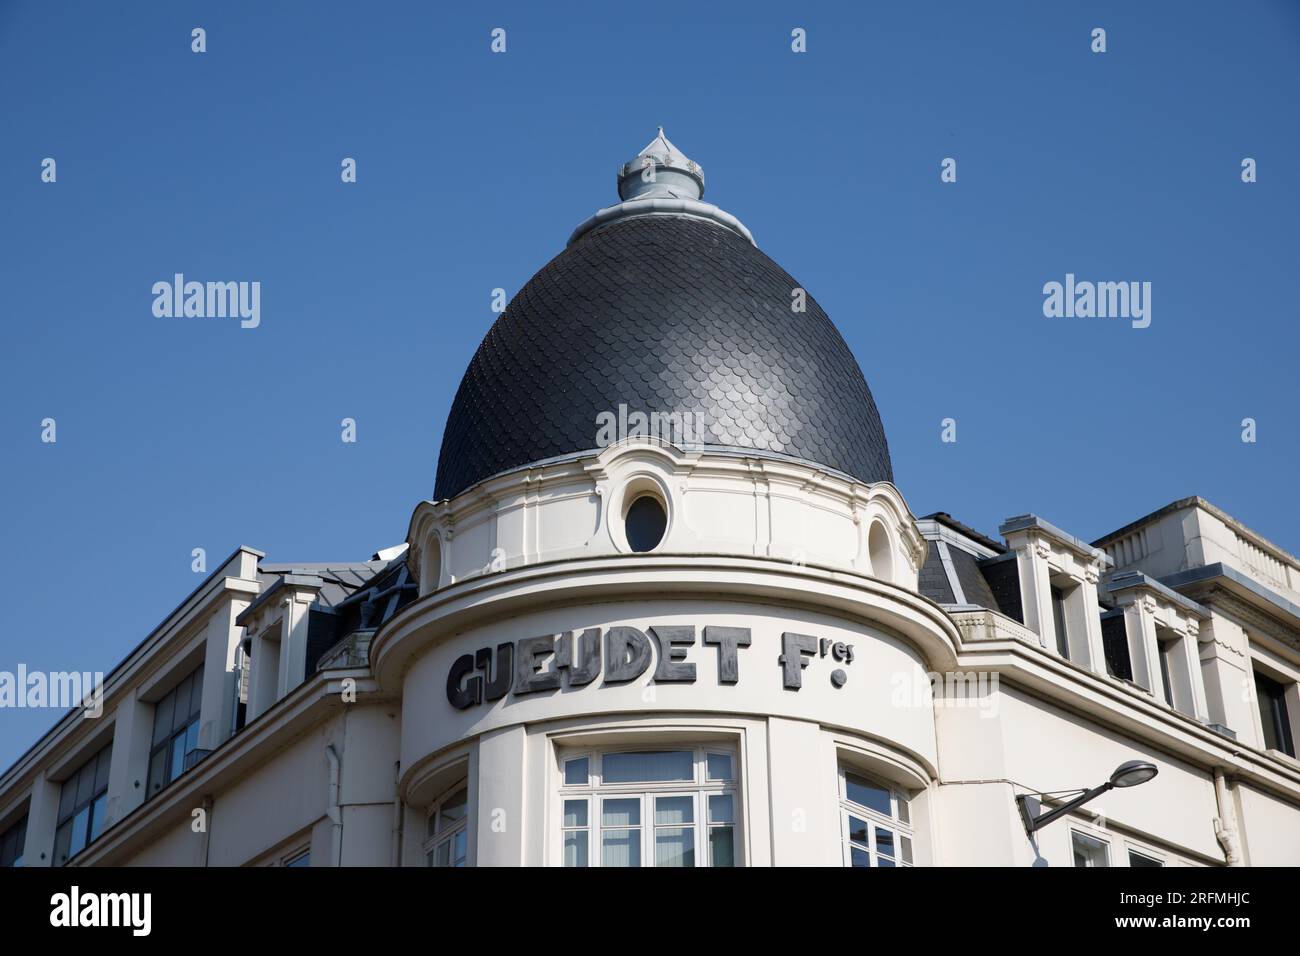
[{"x": 645, "y": 523}]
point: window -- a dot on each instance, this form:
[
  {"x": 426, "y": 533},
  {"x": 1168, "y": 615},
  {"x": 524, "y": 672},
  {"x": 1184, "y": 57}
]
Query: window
[
  {"x": 1088, "y": 850},
  {"x": 243, "y": 670},
  {"x": 12, "y": 842},
  {"x": 645, "y": 523},
  {"x": 1114, "y": 641},
  {"x": 876, "y": 822},
  {"x": 1141, "y": 859},
  {"x": 1175, "y": 672},
  {"x": 1058, "y": 618},
  {"x": 650, "y": 808},
  {"x": 447, "y": 837},
  {"x": 175, "y": 733},
  {"x": 302, "y": 858},
  {"x": 1273, "y": 714},
  {"x": 82, "y": 805}
]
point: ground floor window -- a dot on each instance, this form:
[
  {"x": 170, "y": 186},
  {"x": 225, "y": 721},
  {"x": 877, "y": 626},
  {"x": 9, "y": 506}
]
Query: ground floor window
[
  {"x": 1088, "y": 850},
  {"x": 447, "y": 838},
  {"x": 677, "y": 807},
  {"x": 875, "y": 822}
]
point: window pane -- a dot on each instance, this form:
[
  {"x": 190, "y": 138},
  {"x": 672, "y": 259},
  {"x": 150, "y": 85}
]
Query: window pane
[
  {"x": 157, "y": 771},
  {"x": 575, "y": 848},
  {"x": 101, "y": 769},
  {"x": 181, "y": 709},
  {"x": 458, "y": 844},
  {"x": 97, "y": 811},
  {"x": 453, "y": 808},
  {"x": 575, "y": 813},
  {"x": 67, "y": 797},
  {"x": 196, "y": 692},
  {"x": 675, "y": 846},
  {"x": 859, "y": 857},
  {"x": 178, "y": 756},
  {"x": 904, "y": 811},
  {"x": 620, "y": 848},
  {"x": 575, "y": 772},
  {"x": 719, "y": 766},
  {"x": 867, "y": 794},
  {"x": 722, "y": 848},
  {"x": 1139, "y": 859},
  {"x": 674, "y": 811},
  {"x": 86, "y": 783},
  {"x": 721, "y": 809},
  {"x": 442, "y": 853},
  {"x": 884, "y": 841},
  {"x": 302, "y": 859},
  {"x": 649, "y": 767},
  {"x": 192, "y": 736},
  {"x": 162, "y": 718},
  {"x": 858, "y": 830},
  {"x": 621, "y": 812},
  {"x": 885, "y": 861},
  {"x": 906, "y": 844},
  {"x": 62, "y": 841},
  {"x": 80, "y": 830}
]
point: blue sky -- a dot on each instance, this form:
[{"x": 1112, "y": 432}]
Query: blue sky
[{"x": 472, "y": 170}]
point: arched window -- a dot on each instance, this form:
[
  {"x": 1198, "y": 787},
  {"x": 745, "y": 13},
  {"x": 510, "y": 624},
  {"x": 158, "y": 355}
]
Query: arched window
[{"x": 875, "y": 820}]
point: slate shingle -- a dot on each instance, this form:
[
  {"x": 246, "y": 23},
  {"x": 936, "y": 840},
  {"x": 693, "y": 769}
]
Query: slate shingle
[{"x": 664, "y": 314}]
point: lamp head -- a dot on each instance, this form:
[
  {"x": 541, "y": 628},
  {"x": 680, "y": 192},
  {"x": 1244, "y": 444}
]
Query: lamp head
[{"x": 1132, "y": 773}]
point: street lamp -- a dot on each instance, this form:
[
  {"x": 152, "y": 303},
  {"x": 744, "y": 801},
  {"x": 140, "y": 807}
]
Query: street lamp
[{"x": 1128, "y": 774}]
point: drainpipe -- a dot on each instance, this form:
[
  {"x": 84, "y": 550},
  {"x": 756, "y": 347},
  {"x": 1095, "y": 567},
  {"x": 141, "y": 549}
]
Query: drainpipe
[
  {"x": 1225, "y": 824},
  {"x": 395, "y": 857},
  {"x": 333, "y": 810}
]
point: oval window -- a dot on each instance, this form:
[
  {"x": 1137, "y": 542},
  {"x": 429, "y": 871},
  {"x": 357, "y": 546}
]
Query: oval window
[{"x": 645, "y": 523}]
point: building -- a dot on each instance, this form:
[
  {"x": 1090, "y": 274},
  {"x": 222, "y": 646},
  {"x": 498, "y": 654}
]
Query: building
[{"x": 666, "y": 606}]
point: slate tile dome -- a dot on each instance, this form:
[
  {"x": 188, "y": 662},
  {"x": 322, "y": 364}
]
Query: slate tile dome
[{"x": 662, "y": 311}]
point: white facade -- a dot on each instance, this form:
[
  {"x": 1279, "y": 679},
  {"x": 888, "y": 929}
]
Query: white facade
[{"x": 759, "y": 557}]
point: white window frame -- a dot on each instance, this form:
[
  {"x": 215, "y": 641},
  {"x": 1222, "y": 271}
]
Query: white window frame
[
  {"x": 894, "y": 823},
  {"x": 1095, "y": 837},
  {"x": 699, "y": 789},
  {"x": 1132, "y": 849},
  {"x": 435, "y": 837}
]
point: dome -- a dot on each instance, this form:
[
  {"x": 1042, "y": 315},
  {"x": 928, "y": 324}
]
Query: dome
[{"x": 661, "y": 305}]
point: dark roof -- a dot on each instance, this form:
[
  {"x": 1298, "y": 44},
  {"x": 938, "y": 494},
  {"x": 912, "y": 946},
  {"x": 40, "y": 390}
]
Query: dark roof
[
  {"x": 974, "y": 585},
  {"x": 933, "y": 579},
  {"x": 663, "y": 314}
]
